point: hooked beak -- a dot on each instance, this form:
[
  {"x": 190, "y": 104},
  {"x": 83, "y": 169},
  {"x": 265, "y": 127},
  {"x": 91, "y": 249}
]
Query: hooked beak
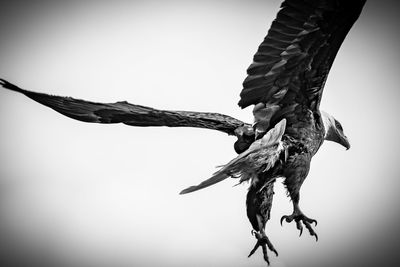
[{"x": 345, "y": 142}]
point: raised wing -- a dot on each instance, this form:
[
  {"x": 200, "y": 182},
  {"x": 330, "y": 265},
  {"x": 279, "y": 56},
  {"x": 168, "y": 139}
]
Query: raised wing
[
  {"x": 292, "y": 63},
  {"x": 130, "y": 114}
]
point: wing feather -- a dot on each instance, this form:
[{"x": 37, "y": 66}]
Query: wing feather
[
  {"x": 130, "y": 114},
  {"x": 300, "y": 47}
]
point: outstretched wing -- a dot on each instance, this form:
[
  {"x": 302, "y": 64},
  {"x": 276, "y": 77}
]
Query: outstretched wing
[
  {"x": 292, "y": 63},
  {"x": 130, "y": 114}
]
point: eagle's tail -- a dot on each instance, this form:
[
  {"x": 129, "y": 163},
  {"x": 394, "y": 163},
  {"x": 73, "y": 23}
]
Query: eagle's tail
[{"x": 259, "y": 157}]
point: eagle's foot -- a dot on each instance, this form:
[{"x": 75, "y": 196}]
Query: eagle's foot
[
  {"x": 263, "y": 241},
  {"x": 301, "y": 219}
]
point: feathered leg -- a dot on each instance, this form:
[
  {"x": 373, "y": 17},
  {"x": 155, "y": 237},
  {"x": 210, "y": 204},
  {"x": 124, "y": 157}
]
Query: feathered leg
[
  {"x": 295, "y": 176},
  {"x": 259, "y": 203}
]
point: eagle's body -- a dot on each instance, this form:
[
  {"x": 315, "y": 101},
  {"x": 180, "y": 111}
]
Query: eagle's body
[
  {"x": 302, "y": 142},
  {"x": 284, "y": 83},
  {"x": 305, "y": 137}
]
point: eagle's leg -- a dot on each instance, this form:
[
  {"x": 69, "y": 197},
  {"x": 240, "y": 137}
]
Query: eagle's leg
[
  {"x": 299, "y": 217},
  {"x": 259, "y": 203},
  {"x": 295, "y": 172}
]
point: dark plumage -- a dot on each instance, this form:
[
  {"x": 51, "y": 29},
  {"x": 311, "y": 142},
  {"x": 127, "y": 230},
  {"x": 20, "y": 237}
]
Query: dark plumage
[{"x": 284, "y": 83}]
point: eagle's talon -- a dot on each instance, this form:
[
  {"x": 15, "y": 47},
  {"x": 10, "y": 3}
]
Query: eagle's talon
[
  {"x": 273, "y": 250},
  {"x": 263, "y": 241},
  {"x": 311, "y": 230},
  {"x": 299, "y": 226},
  {"x": 300, "y": 219},
  {"x": 266, "y": 259},
  {"x": 287, "y": 218}
]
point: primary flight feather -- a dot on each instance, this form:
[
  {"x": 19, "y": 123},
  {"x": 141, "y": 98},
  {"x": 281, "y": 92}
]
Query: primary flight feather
[{"x": 284, "y": 83}]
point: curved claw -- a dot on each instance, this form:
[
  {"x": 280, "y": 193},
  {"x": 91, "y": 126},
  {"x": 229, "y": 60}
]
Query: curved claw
[
  {"x": 264, "y": 248},
  {"x": 310, "y": 229},
  {"x": 254, "y": 249},
  {"x": 299, "y": 226},
  {"x": 286, "y": 218},
  {"x": 311, "y": 221},
  {"x": 301, "y": 220},
  {"x": 264, "y": 243},
  {"x": 274, "y": 250}
]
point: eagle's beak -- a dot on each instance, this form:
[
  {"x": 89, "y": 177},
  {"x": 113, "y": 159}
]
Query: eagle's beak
[{"x": 345, "y": 142}]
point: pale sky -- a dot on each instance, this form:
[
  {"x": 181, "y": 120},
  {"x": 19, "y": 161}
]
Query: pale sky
[{"x": 107, "y": 195}]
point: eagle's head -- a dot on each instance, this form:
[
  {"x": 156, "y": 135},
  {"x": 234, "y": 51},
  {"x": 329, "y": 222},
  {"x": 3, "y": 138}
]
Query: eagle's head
[{"x": 334, "y": 130}]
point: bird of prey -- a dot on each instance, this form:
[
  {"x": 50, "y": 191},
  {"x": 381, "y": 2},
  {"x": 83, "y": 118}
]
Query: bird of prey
[{"x": 285, "y": 84}]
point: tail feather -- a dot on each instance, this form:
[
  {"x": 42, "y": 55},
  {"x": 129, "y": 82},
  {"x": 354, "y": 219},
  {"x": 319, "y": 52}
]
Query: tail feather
[
  {"x": 262, "y": 153},
  {"x": 216, "y": 178}
]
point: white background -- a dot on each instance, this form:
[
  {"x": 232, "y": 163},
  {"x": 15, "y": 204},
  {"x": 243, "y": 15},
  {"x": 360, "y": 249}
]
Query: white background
[{"x": 107, "y": 195}]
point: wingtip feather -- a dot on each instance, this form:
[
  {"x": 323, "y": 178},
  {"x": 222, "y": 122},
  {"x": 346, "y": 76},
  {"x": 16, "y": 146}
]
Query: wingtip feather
[
  {"x": 187, "y": 190},
  {"x": 7, "y": 85}
]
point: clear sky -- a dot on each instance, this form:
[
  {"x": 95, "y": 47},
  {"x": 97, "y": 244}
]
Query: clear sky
[{"x": 107, "y": 195}]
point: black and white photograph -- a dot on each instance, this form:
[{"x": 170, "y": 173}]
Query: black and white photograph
[{"x": 199, "y": 133}]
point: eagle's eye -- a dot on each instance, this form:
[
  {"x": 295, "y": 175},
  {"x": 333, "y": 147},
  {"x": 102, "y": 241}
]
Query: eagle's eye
[{"x": 339, "y": 126}]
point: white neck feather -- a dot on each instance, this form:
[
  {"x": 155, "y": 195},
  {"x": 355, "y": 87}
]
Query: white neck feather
[{"x": 329, "y": 124}]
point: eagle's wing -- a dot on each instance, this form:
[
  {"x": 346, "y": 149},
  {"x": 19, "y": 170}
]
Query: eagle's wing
[
  {"x": 292, "y": 63},
  {"x": 130, "y": 114}
]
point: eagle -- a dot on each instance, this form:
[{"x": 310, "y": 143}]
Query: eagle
[{"x": 284, "y": 84}]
